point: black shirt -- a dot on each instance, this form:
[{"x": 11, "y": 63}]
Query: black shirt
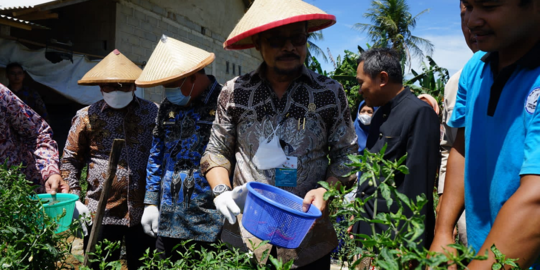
[{"x": 408, "y": 125}]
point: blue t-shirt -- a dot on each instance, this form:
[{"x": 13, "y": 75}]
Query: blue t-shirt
[{"x": 499, "y": 148}]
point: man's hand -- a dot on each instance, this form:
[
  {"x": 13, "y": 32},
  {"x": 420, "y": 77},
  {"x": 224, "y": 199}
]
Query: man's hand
[
  {"x": 82, "y": 213},
  {"x": 55, "y": 183},
  {"x": 315, "y": 197},
  {"x": 440, "y": 245},
  {"x": 231, "y": 203},
  {"x": 149, "y": 220}
]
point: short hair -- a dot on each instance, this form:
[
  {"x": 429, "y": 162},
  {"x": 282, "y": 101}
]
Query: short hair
[
  {"x": 377, "y": 60},
  {"x": 13, "y": 65},
  {"x": 364, "y": 104}
]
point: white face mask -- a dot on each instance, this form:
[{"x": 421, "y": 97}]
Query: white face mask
[
  {"x": 269, "y": 155},
  {"x": 118, "y": 99},
  {"x": 365, "y": 119}
]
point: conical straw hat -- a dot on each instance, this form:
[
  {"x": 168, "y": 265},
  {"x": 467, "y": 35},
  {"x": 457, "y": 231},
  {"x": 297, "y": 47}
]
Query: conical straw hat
[
  {"x": 268, "y": 14},
  {"x": 172, "y": 60},
  {"x": 115, "y": 68}
]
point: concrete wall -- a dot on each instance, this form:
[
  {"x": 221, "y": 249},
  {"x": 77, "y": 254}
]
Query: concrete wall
[{"x": 201, "y": 23}]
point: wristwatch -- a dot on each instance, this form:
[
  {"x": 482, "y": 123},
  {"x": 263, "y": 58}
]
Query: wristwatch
[{"x": 220, "y": 189}]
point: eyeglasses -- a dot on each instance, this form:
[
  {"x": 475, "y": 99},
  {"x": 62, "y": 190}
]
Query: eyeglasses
[
  {"x": 279, "y": 41},
  {"x": 110, "y": 87}
]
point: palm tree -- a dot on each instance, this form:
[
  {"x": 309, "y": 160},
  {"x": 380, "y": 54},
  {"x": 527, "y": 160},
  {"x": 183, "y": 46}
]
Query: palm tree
[
  {"x": 391, "y": 27},
  {"x": 313, "y": 49}
]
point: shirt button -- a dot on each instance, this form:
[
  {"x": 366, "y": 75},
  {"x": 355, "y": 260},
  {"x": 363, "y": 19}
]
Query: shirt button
[
  {"x": 380, "y": 135},
  {"x": 363, "y": 193},
  {"x": 384, "y": 115}
]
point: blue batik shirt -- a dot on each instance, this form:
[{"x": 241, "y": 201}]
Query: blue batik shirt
[{"x": 174, "y": 181}]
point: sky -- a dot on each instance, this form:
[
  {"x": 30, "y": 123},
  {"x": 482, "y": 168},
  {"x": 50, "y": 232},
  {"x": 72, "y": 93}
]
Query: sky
[{"x": 440, "y": 25}]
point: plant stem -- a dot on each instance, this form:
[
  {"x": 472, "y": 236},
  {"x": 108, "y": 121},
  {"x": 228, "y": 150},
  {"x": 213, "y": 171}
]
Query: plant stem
[{"x": 375, "y": 194}]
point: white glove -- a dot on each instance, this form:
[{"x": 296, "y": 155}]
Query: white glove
[
  {"x": 82, "y": 212},
  {"x": 239, "y": 196},
  {"x": 231, "y": 203},
  {"x": 149, "y": 220}
]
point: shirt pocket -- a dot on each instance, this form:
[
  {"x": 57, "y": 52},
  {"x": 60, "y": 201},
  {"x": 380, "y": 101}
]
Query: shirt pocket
[{"x": 392, "y": 143}]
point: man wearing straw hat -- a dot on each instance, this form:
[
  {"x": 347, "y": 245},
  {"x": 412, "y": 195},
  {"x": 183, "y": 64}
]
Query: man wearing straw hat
[
  {"x": 120, "y": 115},
  {"x": 307, "y": 112},
  {"x": 178, "y": 198}
]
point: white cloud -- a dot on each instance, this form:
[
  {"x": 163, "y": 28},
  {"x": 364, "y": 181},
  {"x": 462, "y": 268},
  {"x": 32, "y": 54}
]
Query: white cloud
[{"x": 451, "y": 52}]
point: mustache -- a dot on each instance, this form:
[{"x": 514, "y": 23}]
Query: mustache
[
  {"x": 475, "y": 32},
  {"x": 288, "y": 55}
]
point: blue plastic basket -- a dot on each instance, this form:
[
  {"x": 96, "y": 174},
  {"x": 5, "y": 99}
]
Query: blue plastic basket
[
  {"x": 276, "y": 215},
  {"x": 65, "y": 201}
]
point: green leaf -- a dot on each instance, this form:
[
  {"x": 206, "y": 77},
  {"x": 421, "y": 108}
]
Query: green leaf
[
  {"x": 402, "y": 159},
  {"x": 386, "y": 194},
  {"x": 79, "y": 258},
  {"x": 496, "y": 251},
  {"x": 324, "y": 184},
  {"x": 421, "y": 200},
  {"x": 354, "y": 158},
  {"x": 288, "y": 265},
  {"x": 376, "y": 168},
  {"x": 403, "y": 169},
  {"x": 363, "y": 178},
  {"x": 383, "y": 149},
  {"x": 418, "y": 227},
  {"x": 402, "y": 197}
]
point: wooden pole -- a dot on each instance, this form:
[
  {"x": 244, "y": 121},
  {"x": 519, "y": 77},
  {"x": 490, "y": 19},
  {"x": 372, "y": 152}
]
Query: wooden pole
[{"x": 116, "y": 150}]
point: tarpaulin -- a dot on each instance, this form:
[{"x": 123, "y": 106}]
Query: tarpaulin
[{"x": 62, "y": 76}]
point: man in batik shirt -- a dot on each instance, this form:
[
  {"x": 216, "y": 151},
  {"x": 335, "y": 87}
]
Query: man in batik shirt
[
  {"x": 306, "y": 111},
  {"x": 120, "y": 115},
  {"x": 15, "y": 75},
  {"x": 178, "y": 198},
  {"x": 25, "y": 138}
]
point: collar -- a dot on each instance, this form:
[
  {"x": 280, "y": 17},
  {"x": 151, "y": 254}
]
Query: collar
[
  {"x": 134, "y": 102},
  {"x": 529, "y": 60},
  {"x": 398, "y": 98},
  {"x": 306, "y": 73},
  {"x": 205, "y": 97}
]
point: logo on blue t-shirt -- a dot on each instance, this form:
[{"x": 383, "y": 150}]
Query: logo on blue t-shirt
[{"x": 532, "y": 99}]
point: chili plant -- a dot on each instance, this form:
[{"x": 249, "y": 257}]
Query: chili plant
[
  {"x": 27, "y": 235},
  {"x": 397, "y": 248}
]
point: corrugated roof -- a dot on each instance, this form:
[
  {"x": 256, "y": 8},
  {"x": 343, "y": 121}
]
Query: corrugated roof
[
  {"x": 33, "y": 25},
  {"x": 16, "y": 5},
  {"x": 22, "y": 4}
]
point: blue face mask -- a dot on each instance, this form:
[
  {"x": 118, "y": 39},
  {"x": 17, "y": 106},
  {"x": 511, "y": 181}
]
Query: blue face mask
[{"x": 175, "y": 96}]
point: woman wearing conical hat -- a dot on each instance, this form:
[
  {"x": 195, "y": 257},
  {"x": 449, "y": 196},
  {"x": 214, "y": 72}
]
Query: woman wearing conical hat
[
  {"x": 178, "y": 198},
  {"x": 120, "y": 115},
  {"x": 307, "y": 112}
]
